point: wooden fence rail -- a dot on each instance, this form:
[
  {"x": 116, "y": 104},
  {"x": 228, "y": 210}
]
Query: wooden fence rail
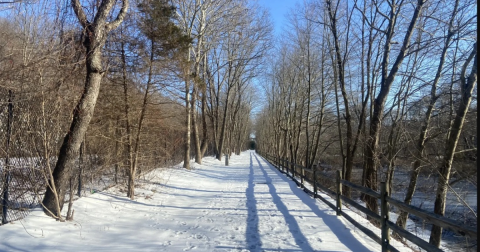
[{"x": 295, "y": 172}]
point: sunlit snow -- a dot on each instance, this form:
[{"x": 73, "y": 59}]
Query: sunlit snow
[{"x": 246, "y": 206}]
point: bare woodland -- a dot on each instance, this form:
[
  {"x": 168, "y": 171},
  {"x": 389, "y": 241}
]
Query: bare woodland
[
  {"x": 368, "y": 87},
  {"x": 105, "y": 90}
]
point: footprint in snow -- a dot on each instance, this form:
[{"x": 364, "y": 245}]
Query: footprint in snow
[
  {"x": 189, "y": 248},
  {"x": 197, "y": 236}
]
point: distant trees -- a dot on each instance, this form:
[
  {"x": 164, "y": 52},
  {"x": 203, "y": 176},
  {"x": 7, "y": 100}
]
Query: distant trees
[{"x": 230, "y": 39}]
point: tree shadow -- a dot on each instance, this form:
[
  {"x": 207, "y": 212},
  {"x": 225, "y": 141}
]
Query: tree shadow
[
  {"x": 300, "y": 239},
  {"x": 336, "y": 226}
]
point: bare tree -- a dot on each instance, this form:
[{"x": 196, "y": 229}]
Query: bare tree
[
  {"x": 95, "y": 35},
  {"x": 387, "y": 79},
  {"x": 467, "y": 84},
  {"x": 423, "y": 134}
]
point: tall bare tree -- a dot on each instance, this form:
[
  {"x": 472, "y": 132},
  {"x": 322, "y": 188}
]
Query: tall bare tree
[
  {"x": 424, "y": 130},
  {"x": 467, "y": 85},
  {"x": 95, "y": 34},
  {"x": 387, "y": 79}
]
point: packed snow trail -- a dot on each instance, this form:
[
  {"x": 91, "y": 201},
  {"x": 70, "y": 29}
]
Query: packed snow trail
[{"x": 246, "y": 206}]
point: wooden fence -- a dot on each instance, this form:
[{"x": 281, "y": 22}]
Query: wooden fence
[{"x": 296, "y": 172}]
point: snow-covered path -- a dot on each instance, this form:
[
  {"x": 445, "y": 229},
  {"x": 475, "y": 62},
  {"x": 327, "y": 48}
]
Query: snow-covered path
[{"x": 246, "y": 206}]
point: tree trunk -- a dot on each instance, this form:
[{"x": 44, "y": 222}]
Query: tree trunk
[
  {"x": 467, "y": 86},
  {"x": 196, "y": 137},
  {"x": 204, "y": 144},
  {"x": 379, "y": 102},
  {"x": 82, "y": 114},
  {"x": 186, "y": 157},
  {"x": 224, "y": 124},
  {"x": 348, "y": 154},
  {"x": 402, "y": 218},
  {"x": 95, "y": 37}
]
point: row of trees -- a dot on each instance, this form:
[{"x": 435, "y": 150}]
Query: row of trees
[
  {"x": 124, "y": 87},
  {"x": 377, "y": 84}
]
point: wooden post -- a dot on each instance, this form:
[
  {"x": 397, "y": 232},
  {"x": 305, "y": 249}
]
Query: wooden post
[
  {"x": 294, "y": 170},
  {"x": 287, "y": 164},
  {"x": 287, "y": 161},
  {"x": 302, "y": 176},
  {"x": 314, "y": 180},
  {"x": 339, "y": 192},
  {"x": 80, "y": 168},
  {"x": 7, "y": 158},
  {"x": 384, "y": 216}
]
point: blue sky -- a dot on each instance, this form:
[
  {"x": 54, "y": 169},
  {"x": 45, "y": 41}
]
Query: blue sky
[{"x": 278, "y": 9}]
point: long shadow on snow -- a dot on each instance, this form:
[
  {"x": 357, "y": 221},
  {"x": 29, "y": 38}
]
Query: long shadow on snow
[
  {"x": 336, "y": 226},
  {"x": 251, "y": 233},
  {"x": 289, "y": 219}
]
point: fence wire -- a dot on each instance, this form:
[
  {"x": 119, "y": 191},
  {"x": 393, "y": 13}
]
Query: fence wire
[{"x": 29, "y": 139}]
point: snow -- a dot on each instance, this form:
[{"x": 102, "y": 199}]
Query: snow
[{"x": 246, "y": 206}]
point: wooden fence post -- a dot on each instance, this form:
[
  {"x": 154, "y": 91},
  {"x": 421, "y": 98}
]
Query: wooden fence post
[
  {"x": 384, "y": 216},
  {"x": 314, "y": 180},
  {"x": 7, "y": 158},
  {"x": 339, "y": 192},
  {"x": 294, "y": 169},
  {"x": 302, "y": 176}
]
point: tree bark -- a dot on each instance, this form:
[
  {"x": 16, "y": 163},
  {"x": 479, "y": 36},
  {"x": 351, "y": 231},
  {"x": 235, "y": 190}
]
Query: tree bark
[
  {"x": 422, "y": 137},
  {"x": 379, "y": 102},
  {"x": 349, "y": 153},
  {"x": 196, "y": 133},
  {"x": 467, "y": 86},
  {"x": 95, "y": 37}
]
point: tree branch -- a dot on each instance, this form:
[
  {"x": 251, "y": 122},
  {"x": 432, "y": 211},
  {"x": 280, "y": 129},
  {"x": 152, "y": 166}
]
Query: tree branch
[
  {"x": 78, "y": 9},
  {"x": 121, "y": 15}
]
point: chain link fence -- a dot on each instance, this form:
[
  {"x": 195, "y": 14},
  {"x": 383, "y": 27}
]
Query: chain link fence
[
  {"x": 30, "y": 134},
  {"x": 33, "y": 122}
]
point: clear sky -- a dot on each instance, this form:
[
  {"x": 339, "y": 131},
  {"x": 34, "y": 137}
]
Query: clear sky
[{"x": 278, "y": 9}]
